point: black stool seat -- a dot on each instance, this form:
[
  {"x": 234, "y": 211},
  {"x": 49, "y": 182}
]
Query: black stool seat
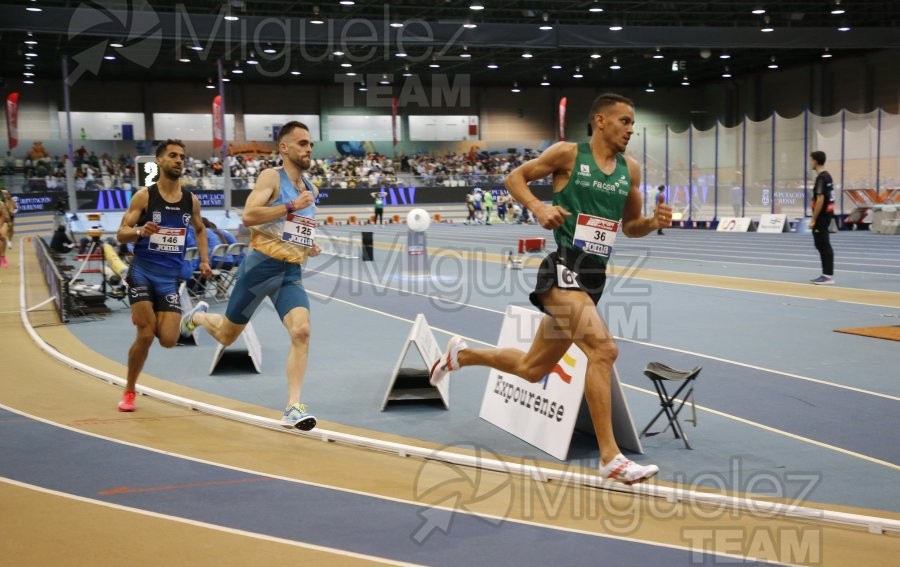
[
  {"x": 659, "y": 371},
  {"x": 659, "y": 374}
]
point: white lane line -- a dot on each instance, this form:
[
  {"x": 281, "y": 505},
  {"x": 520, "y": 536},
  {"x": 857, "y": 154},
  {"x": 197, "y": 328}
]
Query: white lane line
[
  {"x": 214, "y": 527},
  {"x": 873, "y": 524},
  {"x": 565, "y": 478}
]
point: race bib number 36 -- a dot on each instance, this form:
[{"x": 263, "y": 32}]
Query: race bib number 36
[
  {"x": 299, "y": 230},
  {"x": 595, "y": 235},
  {"x": 168, "y": 240}
]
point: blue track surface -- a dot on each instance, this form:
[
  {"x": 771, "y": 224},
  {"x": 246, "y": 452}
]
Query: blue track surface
[
  {"x": 355, "y": 348},
  {"x": 98, "y": 470}
]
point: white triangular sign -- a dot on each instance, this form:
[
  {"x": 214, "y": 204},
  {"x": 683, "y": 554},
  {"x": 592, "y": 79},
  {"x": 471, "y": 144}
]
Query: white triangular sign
[{"x": 412, "y": 383}]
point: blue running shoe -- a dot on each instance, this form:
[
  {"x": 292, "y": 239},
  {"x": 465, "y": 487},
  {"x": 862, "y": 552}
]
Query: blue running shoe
[
  {"x": 823, "y": 280},
  {"x": 297, "y": 416}
]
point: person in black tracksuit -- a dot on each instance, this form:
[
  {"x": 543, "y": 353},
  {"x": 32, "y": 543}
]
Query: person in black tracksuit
[{"x": 822, "y": 213}]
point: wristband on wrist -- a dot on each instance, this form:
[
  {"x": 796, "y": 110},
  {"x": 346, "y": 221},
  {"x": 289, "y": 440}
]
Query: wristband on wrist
[{"x": 289, "y": 208}]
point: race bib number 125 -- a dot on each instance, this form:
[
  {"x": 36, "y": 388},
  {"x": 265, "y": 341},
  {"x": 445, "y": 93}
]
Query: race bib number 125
[{"x": 299, "y": 230}]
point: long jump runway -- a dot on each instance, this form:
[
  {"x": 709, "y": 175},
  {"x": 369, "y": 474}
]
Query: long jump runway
[{"x": 769, "y": 407}]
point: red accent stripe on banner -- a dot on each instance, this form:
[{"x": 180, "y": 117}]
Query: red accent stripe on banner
[
  {"x": 218, "y": 127},
  {"x": 12, "y": 119},
  {"x": 562, "y": 119}
]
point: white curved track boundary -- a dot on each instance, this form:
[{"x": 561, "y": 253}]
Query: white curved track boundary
[{"x": 873, "y": 524}]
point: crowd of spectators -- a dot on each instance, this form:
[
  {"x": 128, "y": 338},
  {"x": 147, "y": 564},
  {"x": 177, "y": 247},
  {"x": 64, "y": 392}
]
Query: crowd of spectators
[{"x": 42, "y": 171}]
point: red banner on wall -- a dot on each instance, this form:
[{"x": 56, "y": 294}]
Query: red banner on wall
[
  {"x": 562, "y": 119},
  {"x": 218, "y": 127},
  {"x": 394, "y": 104},
  {"x": 12, "y": 119}
]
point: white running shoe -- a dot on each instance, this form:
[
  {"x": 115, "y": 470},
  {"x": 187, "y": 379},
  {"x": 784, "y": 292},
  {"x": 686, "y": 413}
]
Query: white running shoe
[
  {"x": 627, "y": 471},
  {"x": 448, "y": 362},
  {"x": 187, "y": 322}
]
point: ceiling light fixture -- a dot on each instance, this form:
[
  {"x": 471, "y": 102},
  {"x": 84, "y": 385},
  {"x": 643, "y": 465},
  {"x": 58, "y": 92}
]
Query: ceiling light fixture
[
  {"x": 384, "y": 79},
  {"x": 844, "y": 27},
  {"x": 252, "y": 59},
  {"x": 527, "y": 55},
  {"x": 545, "y": 82},
  {"x": 477, "y": 6},
  {"x": 724, "y": 55},
  {"x": 685, "y": 82},
  {"x": 837, "y": 10},
  {"x": 556, "y": 66},
  {"x": 616, "y": 25},
  {"x": 362, "y": 87},
  {"x": 826, "y": 54},
  {"x": 406, "y": 72},
  {"x": 470, "y": 26},
  {"x": 595, "y": 55},
  {"x": 772, "y": 63},
  {"x": 184, "y": 60},
  {"x": 295, "y": 72},
  {"x": 316, "y": 18},
  {"x": 465, "y": 54},
  {"x": 114, "y": 44},
  {"x": 595, "y": 7},
  {"x": 577, "y": 74},
  {"x": 758, "y": 10},
  {"x": 657, "y": 54},
  {"x": 347, "y": 2},
  {"x": 546, "y": 26},
  {"x": 516, "y": 88},
  {"x": 767, "y": 25},
  {"x": 650, "y": 88},
  {"x": 726, "y": 74},
  {"x": 493, "y": 65},
  {"x": 615, "y": 64},
  {"x": 338, "y": 53}
]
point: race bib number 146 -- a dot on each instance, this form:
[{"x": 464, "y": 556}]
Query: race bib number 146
[{"x": 168, "y": 240}]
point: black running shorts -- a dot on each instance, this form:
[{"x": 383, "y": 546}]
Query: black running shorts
[{"x": 569, "y": 269}]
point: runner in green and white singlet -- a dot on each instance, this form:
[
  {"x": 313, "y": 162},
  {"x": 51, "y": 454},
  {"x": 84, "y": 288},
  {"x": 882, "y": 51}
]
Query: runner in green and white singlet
[{"x": 596, "y": 196}]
